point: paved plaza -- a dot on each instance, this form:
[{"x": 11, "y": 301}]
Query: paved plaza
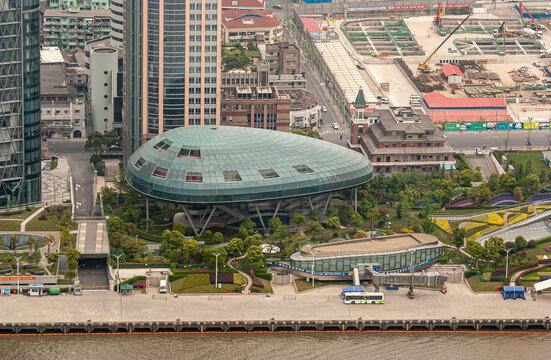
[{"x": 322, "y": 304}]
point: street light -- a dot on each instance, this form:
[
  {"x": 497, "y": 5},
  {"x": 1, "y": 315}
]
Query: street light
[
  {"x": 218, "y": 254},
  {"x": 118, "y": 277},
  {"x": 18, "y": 258},
  {"x": 411, "y": 267},
  {"x": 313, "y": 265},
  {"x": 507, "y": 261}
]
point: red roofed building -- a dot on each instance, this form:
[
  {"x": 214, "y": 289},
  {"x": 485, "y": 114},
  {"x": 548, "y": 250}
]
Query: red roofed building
[
  {"x": 447, "y": 110},
  {"x": 452, "y": 73},
  {"x": 244, "y": 25},
  {"x": 243, "y": 4}
]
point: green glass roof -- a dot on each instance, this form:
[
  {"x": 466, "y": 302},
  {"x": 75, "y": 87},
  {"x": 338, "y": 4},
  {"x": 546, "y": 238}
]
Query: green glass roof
[{"x": 224, "y": 164}]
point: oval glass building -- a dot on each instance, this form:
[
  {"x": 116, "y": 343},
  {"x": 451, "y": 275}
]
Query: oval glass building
[{"x": 244, "y": 172}]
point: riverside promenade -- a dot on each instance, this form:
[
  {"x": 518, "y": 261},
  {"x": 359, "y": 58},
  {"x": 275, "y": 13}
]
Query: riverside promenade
[{"x": 322, "y": 304}]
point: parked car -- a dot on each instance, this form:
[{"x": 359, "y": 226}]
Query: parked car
[
  {"x": 335, "y": 126},
  {"x": 324, "y": 108},
  {"x": 360, "y": 67},
  {"x": 278, "y": 7},
  {"x": 382, "y": 99}
]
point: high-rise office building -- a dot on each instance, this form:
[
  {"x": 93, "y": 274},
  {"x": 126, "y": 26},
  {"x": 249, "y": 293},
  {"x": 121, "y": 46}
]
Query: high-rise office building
[
  {"x": 117, "y": 23},
  {"x": 172, "y": 66},
  {"x": 19, "y": 102}
]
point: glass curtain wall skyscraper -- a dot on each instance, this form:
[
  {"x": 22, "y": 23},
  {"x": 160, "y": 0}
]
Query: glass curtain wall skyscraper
[
  {"x": 20, "y": 155},
  {"x": 173, "y": 65}
]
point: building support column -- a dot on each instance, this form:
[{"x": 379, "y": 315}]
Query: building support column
[
  {"x": 146, "y": 208},
  {"x": 208, "y": 220},
  {"x": 204, "y": 215},
  {"x": 166, "y": 212},
  {"x": 325, "y": 206},
  {"x": 356, "y": 199},
  {"x": 277, "y": 209},
  {"x": 311, "y": 205},
  {"x": 261, "y": 221},
  {"x": 190, "y": 220}
]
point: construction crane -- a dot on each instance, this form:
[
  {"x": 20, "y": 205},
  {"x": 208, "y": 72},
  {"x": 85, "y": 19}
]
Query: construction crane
[
  {"x": 424, "y": 66},
  {"x": 437, "y": 19},
  {"x": 532, "y": 22}
]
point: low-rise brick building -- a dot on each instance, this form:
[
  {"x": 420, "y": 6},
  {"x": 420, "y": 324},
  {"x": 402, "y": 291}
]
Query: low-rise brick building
[
  {"x": 258, "y": 107},
  {"x": 284, "y": 58},
  {"x": 401, "y": 139}
]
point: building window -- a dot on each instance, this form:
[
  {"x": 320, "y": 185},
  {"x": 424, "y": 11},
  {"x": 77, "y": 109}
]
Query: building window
[
  {"x": 268, "y": 173},
  {"x": 189, "y": 152},
  {"x": 162, "y": 146},
  {"x": 303, "y": 169},
  {"x": 139, "y": 163},
  {"x": 231, "y": 175},
  {"x": 160, "y": 172},
  {"x": 194, "y": 176}
]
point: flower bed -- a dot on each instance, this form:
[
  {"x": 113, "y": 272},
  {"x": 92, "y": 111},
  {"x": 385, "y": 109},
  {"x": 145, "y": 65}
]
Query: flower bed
[
  {"x": 495, "y": 219},
  {"x": 516, "y": 218},
  {"x": 538, "y": 197},
  {"x": 502, "y": 200},
  {"x": 444, "y": 225},
  {"x": 461, "y": 203},
  {"x": 548, "y": 248}
]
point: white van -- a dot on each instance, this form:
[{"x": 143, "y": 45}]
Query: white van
[
  {"x": 414, "y": 98},
  {"x": 415, "y": 103},
  {"x": 162, "y": 287}
]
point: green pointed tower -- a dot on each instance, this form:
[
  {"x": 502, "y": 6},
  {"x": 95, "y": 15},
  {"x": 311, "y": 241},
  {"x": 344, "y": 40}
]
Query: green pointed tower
[{"x": 360, "y": 100}]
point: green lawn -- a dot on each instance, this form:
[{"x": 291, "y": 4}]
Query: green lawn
[
  {"x": 23, "y": 215},
  {"x": 10, "y": 225},
  {"x": 199, "y": 283},
  {"x": 478, "y": 286},
  {"x": 523, "y": 156},
  {"x": 51, "y": 224},
  {"x": 302, "y": 285},
  {"x": 210, "y": 288}
]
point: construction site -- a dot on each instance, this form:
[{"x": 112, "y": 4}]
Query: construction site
[{"x": 381, "y": 37}]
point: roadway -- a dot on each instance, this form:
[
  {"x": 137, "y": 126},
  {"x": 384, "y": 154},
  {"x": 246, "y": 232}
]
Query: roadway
[
  {"x": 515, "y": 139},
  {"x": 81, "y": 169}
]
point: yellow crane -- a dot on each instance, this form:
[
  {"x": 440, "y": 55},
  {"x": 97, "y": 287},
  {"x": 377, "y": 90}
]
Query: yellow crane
[{"x": 424, "y": 66}]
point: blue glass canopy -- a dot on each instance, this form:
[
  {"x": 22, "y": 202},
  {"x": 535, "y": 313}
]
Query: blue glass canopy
[{"x": 226, "y": 164}]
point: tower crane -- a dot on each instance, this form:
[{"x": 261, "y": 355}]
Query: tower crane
[{"x": 424, "y": 66}]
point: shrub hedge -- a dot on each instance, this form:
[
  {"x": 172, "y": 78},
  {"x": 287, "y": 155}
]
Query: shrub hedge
[{"x": 470, "y": 273}]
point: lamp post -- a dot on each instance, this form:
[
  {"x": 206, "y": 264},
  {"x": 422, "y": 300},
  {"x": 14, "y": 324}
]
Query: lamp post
[
  {"x": 118, "y": 277},
  {"x": 314, "y": 266},
  {"x": 216, "y": 277},
  {"x": 411, "y": 267},
  {"x": 136, "y": 238},
  {"x": 507, "y": 261},
  {"x": 18, "y": 258}
]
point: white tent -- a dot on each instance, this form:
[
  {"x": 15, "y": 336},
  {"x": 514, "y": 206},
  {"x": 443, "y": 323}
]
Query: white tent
[{"x": 542, "y": 285}]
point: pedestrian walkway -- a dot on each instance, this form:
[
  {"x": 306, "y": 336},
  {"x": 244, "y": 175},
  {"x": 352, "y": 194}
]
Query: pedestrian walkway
[
  {"x": 249, "y": 280},
  {"x": 334, "y": 131}
]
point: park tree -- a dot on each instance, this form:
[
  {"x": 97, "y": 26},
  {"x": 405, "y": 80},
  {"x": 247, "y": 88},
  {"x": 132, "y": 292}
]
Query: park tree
[
  {"x": 493, "y": 182},
  {"x": 254, "y": 257},
  {"x": 70, "y": 275},
  {"x": 299, "y": 219},
  {"x": 476, "y": 250},
  {"x": 116, "y": 239},
  {"x": 49, "y": 240},
  {"x": 360, "y": 234},
  {"x": 130, "y": 228},
  {"x": 13, "y": 241},
  {"x": 274, "y": 223},
  {"x": 172, "y": 240},
  {"x": 72, "y": 254},
  {"x": 493, "y": 247},
  {"x": 313, "y": 228},
  {"x": 332, "y": 212},
  {"x": 428, "y": 225},
  {"x": 458, "y": 236},
  {"x": 218, "y": 237},
  {"x": 316, "y": 215},
  {"x": 281, "y": 232},
  {"x": 66, "y": 221},
  {"x": 65, "y": 238},
  {"x": 190, "y": 249},
  {"x": 249, "y": 225},
  {"x": 356, "y": 220},
  {"x": 131, "y": 249},
  {"x": 30, "y": 243},
  {"x": 235, "y": 247},
  {"x": 210, "y": 258},
  {"x": 252, "y": 240},
  {"x": 334, "y": 223},
  {"x": 507, "y": 182},
  {"x": 521, "y": 243},
  {"x": 531, "y": 184},
  {"x": 116, "y": 224},
  {"x": 373, "y": 216},
  {"x": 94, "y": 141},
  {"x": 518, "y": 193},
  {"x": 72, "y": 264}
]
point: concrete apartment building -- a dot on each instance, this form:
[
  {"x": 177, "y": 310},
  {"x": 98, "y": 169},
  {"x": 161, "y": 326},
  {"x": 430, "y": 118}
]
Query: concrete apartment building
[
  {"x": 79, "y": 4},
  {"x": 20, "y": 145},
  {"x": 256, "y": 107},
  {"x": 172, "y": 67},
  {"x": 71, "y": 29},
  {"x": 400, "y": 139},
  {"x": 305, "y": 109},
  {"x": 284, "y": 58},
  {"x": 261, "y": 76},
  {"x": 63, "y": 113},
  {"x": 243, "y": 4},
  {"x": 117, "y": 24},
  {"x": 242, "y": 25}
]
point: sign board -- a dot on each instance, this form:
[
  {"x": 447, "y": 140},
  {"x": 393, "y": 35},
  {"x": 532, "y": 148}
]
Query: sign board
[{"x": 14, "y": 278}]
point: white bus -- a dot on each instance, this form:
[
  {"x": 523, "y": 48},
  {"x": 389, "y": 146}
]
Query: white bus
[
  {"x": 363, "y": 298},
  {"x": 162, "y": 287}
]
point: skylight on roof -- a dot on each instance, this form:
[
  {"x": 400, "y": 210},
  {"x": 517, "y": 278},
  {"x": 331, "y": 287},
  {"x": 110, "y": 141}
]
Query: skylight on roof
[
  {"x": 231, "y": 175},
  {"x": 162, "y": 146},
  {"x": 160, "y": 172},
  {"x": 189, "y": 152},
  {"x": 268, "y": 173},
  {"x": 303, "y": 169},
  {"x": 194, "y": 176},
  {"x": 139, "y": 163}
]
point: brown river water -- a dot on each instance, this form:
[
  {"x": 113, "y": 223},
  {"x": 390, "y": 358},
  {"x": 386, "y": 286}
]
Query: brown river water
[{"x": 426, "y": 346}]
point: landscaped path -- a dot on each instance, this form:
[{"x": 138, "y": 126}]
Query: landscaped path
[{"x": 249, "y": 279}]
